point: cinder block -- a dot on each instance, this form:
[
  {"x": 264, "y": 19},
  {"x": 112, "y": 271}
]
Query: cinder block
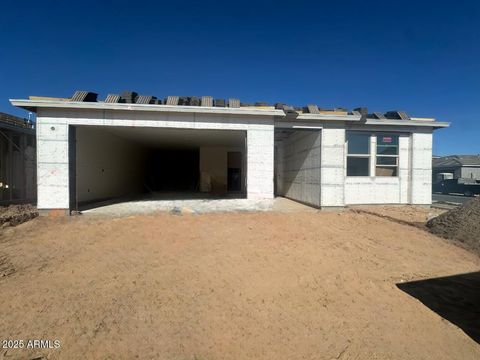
[{"x": 52, "y": 151}]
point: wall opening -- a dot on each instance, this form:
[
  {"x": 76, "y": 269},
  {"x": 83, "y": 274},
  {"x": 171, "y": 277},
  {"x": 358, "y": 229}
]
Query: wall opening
[
  {"x": 117, "y": 164},
  {"x": 297, "y": 165}
]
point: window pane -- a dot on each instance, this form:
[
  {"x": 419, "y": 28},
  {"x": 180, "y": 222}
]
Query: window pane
[
  {"x": 357, "y": 166},
  {"x": 383, "y": 160},
  {"x": 387, "y": 150},
  {"x": 386, "y": 171},
  {"x": 387, "y": 139},
  {"x": 358, "y": 143}
]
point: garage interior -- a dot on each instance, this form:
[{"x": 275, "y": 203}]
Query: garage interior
[
  {"x": 297, "y": 165},
  {"x": 116, "y": 164}
]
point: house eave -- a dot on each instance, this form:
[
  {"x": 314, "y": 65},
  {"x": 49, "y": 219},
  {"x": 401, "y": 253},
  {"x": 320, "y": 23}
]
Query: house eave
[
  {"x": 402, "y": 123},
  {"x": 33, "y": 105}
]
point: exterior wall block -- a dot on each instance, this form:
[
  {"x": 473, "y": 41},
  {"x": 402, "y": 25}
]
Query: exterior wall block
[{"x": 332, "y": 161}]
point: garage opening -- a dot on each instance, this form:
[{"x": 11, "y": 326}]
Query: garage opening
[
  {"x": 114, "y": 164},
  {"x": 297, "y": 165}
]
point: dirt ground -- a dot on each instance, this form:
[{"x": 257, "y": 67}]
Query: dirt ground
[
  {"x": 297, "y": 285},
  {"x": 461, "y": 224},
  {"x": 16, "y": 214},
  {"x": 413, "y": 215}
]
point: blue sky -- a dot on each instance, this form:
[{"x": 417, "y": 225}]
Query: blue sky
[{"x": 418, "y": 56}]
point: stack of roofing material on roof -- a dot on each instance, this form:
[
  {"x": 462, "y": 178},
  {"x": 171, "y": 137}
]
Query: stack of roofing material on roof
[
  {"x": 146, "y": 99},
  {"x": 311, "y": 109},
  {"x": 397, "y": 115},
  {"x": 377, "y": 115},
  {"x": 112, "y": 98},
  {"x": 219, "y": 103},
  {"x": 86, "y": 96},
  {"x": 207, "y": 101},
  {"x": 189, "y": 101},
  {"x": 128, "y": 97},
  {"x": 194, "y": 101},
  {"x": 172, "y": 100},
  {"x": 234, "y": 103}
]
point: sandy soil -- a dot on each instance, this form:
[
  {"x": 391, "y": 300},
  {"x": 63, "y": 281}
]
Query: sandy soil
[
  {"x": 300, "y": 285},
  {"x": 414, "y": 215}
]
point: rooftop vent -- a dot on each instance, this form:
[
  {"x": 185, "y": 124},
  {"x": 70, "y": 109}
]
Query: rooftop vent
[
  {"x": 207, "y": 101},
  {"x": 112, "y": 98},
  {"x": 85, "y": 96}
]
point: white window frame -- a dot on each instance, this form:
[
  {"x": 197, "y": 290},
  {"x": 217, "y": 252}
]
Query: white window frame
[
  {"x": 372, "y": 154},
  {"x": 397, "y": 156},
  {"x": 363, "y": 156}
]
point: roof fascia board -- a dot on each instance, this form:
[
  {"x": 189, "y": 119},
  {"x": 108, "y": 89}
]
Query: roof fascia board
[
  {"x": 33, "y": 104},
  {"x": 282, "y": 124},
  {"x": 319, "y": 117},
  {"x": 391, "y": 122}
]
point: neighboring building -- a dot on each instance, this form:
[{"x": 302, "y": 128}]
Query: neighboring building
[
  {"x": 91, "y": 150},
  {"x": 460, "y": 166},
  {"x": 17, "y": 160}
]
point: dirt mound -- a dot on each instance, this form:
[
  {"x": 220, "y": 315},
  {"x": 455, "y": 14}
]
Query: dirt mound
[
  {"x": 461, "y": 224},
  {"x": 16, "y": 214}
]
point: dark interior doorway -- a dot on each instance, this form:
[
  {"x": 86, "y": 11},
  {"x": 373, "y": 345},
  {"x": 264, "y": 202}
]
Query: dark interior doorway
[
  {"x": 234, "y": 165},
  {"x": 173, "y": 170}
]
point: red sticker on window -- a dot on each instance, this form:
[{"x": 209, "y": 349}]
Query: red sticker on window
[{"x": 387, "y": 140}]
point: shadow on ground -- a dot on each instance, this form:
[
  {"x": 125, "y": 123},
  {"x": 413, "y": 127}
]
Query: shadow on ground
[{"x": 455, "y": 298}]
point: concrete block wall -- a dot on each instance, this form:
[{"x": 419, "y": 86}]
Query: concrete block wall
[
  {"x": 115, "y": 169},
  {"x": 298, "y": 166},
  {"x": 260, "y": 148},
  {"x": 52, "y": 145},
  {"x": 382, "y": 189},
  {"x": 421, "y": 168},
  {"x": 332, "y": 167},
  {"x": 52, "y": 163}
]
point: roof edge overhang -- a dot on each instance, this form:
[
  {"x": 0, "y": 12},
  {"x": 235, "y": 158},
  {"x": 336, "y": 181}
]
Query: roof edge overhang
[
  {"x": 401, "y": 123},
  {"x": 33, "y": 105},
  {"x": 320, "y": 117}
]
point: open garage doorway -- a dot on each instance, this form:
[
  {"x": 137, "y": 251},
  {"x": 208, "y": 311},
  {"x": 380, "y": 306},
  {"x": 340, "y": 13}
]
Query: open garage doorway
[{"x": 116, "y": 164}]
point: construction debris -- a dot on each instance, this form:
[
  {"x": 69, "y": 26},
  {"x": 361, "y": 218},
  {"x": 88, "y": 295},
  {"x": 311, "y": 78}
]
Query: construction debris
[{"x": 16, "y": 214}]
